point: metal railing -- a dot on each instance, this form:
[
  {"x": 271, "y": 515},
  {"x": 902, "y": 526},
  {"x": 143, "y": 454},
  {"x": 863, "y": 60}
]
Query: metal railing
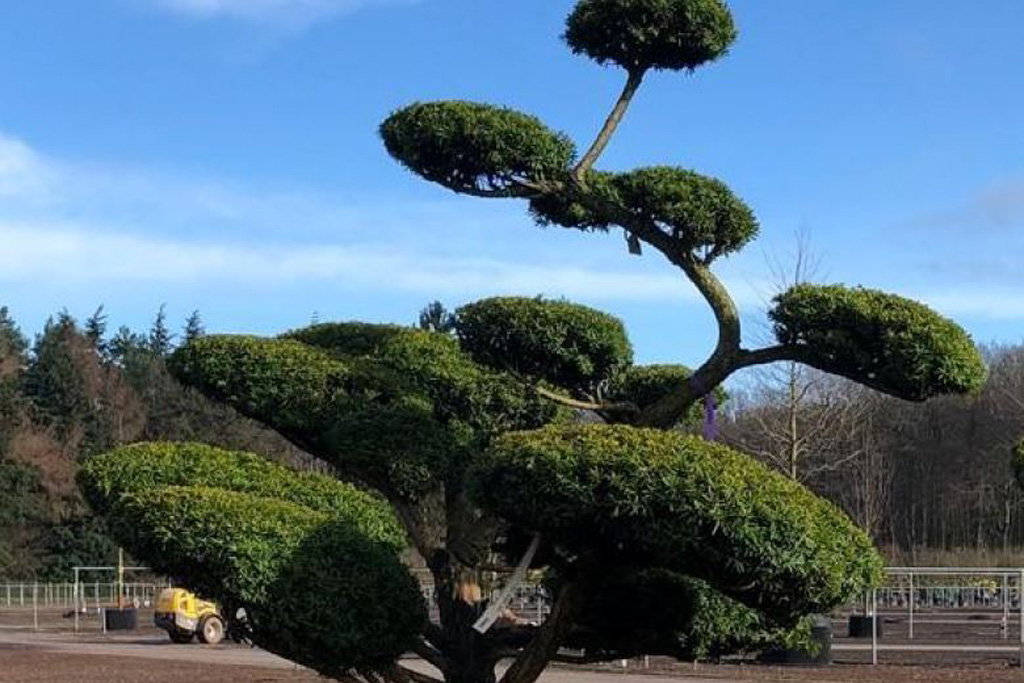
[{"x": 913, "y": 589}]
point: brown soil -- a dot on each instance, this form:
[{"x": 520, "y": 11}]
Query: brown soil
[{"x": 25, "y": 665}]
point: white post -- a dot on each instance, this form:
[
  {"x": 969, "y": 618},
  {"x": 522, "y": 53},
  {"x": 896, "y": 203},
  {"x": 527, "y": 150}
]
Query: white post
[
  {"x": 911, "y": 605},
  {"x": 1006, "y": 606},
  {"x": 874, "y": 626},
  {"x": 74, "y": 596},
  {"x": 1020, "y": 603},
  {"x": 35, "y": 605}
]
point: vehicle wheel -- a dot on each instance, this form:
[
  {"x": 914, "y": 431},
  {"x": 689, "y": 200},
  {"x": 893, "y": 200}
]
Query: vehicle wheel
[
  {"x": 180, "y": 637},
  {"x": 211, "y": 630}
]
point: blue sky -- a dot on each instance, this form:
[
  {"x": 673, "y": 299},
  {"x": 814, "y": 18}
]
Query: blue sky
[{"x": 222, "y": 155}]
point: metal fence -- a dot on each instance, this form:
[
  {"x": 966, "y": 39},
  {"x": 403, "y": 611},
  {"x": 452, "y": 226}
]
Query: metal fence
[
  {"x": 90, "y": 594},
  {"x": 924, "y": 609},
  {"x": 60, "y": 607},
  {"x": 957, "y": 606}
]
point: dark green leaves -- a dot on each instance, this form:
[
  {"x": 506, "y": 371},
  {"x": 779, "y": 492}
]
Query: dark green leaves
[
  {"x": 346, "y": 339},
  {"x": 145, "y": 466},
  {"x": 659, "y": 612},
  {"x": 314, "y": 562},
  {"x": 566, "y": 344},
  {"x": 660, "y": 499},
  {"x": 407, "y": 414},
  {"x": 644, "y": 385},
  {"x": 886, "y": 342},
  {"x": 475, "y": 148},
  {"x": 701, "y": 214},
  {"x": 651, "y": 34}
]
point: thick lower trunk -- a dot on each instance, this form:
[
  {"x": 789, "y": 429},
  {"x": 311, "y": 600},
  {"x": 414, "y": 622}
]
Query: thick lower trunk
[{"x": 468, "y": 656}]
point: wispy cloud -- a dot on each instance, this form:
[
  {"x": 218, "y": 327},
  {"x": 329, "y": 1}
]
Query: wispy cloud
[
  {"x": 80, "y": 255},
  {"x": 998, "y": 208},
  {"x": 975, "y": 243},
  {"x": 77, "y": 224},
  {"x": 279, "y": 12}
]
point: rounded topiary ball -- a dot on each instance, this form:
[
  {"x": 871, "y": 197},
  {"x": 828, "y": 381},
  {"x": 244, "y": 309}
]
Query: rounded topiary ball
[{"x": 651, "y": 34}]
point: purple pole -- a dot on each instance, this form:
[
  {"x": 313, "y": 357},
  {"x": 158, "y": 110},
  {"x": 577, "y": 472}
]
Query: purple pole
[{"x": 710, "y": 423}]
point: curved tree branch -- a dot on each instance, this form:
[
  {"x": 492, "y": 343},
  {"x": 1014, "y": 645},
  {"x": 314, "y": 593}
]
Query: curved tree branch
[
  {"x": 569, "y": 402},
  {"x": 636, "y": 77},
  {"x": 726, "y": 359}
]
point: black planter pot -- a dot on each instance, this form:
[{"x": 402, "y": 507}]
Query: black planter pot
[
  {"x": 860, "y": 626},
  {"x": 121, "y": 619}
]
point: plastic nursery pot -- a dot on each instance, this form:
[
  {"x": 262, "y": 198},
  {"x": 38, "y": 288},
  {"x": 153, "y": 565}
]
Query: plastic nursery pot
[
  {"x": 121, "y": 619},
  {"x": 860, "y": 626}
]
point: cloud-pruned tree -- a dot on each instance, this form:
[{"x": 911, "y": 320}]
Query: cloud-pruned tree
[{"x": 474, "y": 441}]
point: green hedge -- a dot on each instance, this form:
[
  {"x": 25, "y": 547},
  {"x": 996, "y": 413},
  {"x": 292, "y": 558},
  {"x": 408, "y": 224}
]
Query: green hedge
[
  {"x": 567, "y": 344},
  {"x": 658, "y": 34},
  {"x": 887, "y": 342},
  {"x": 661, "y": 499},
  {"x": 150, "y": 466},
  {"x": 316, "y": 590},
  {"x": 466, "y": 146}
]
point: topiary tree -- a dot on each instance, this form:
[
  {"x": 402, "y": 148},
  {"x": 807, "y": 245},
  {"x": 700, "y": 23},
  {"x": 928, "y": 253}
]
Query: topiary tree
[{"x": 528, "y": 436}]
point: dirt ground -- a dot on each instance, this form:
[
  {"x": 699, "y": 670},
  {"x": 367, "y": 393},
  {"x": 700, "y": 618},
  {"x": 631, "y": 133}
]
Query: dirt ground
[
  {"x": 29, "y": 666},
  {"x": 56, "y": 656}
]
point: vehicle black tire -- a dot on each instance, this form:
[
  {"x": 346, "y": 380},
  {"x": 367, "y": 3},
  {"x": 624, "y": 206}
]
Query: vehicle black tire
[
  {"x": 180, "y": 637},
  {"x": 211, "y": 630}
]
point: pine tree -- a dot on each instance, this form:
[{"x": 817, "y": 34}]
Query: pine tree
[
  {"x": 436, "y": 318},
  {"x": 13, "y": 343},
  {"x": 96, "y": 330},
  {"x": 160, "y": 338},
  {"x": 193, "y": 328}
]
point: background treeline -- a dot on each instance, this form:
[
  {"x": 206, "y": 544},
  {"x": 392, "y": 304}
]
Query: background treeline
[
  {"x": 931, "y": 482},
  {"x": 75, "y": 390}
]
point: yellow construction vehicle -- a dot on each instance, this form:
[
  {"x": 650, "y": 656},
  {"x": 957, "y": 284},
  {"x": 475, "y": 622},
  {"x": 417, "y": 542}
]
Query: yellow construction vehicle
[{"x": 185, "y": 616}]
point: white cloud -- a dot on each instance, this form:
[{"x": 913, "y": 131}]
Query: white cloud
[
  {"x": 287, "y": 12},
  {"x": 995, "y": 210},
  {"x": 22, "y": 172},
  {"x": 75, "y": 224},
  {"x": 78, "y": 256}
]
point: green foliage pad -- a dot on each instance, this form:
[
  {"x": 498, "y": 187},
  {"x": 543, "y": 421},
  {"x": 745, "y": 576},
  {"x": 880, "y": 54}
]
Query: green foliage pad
[
  {"x": 470, "y": 147},
  {"x": 313, "y": 561},
  {"x": 569, "y": 345},
  {"x": 659, "y": 499},
  {"x": 887, "y": 342},
  {"x": 651, "y": 34}
]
